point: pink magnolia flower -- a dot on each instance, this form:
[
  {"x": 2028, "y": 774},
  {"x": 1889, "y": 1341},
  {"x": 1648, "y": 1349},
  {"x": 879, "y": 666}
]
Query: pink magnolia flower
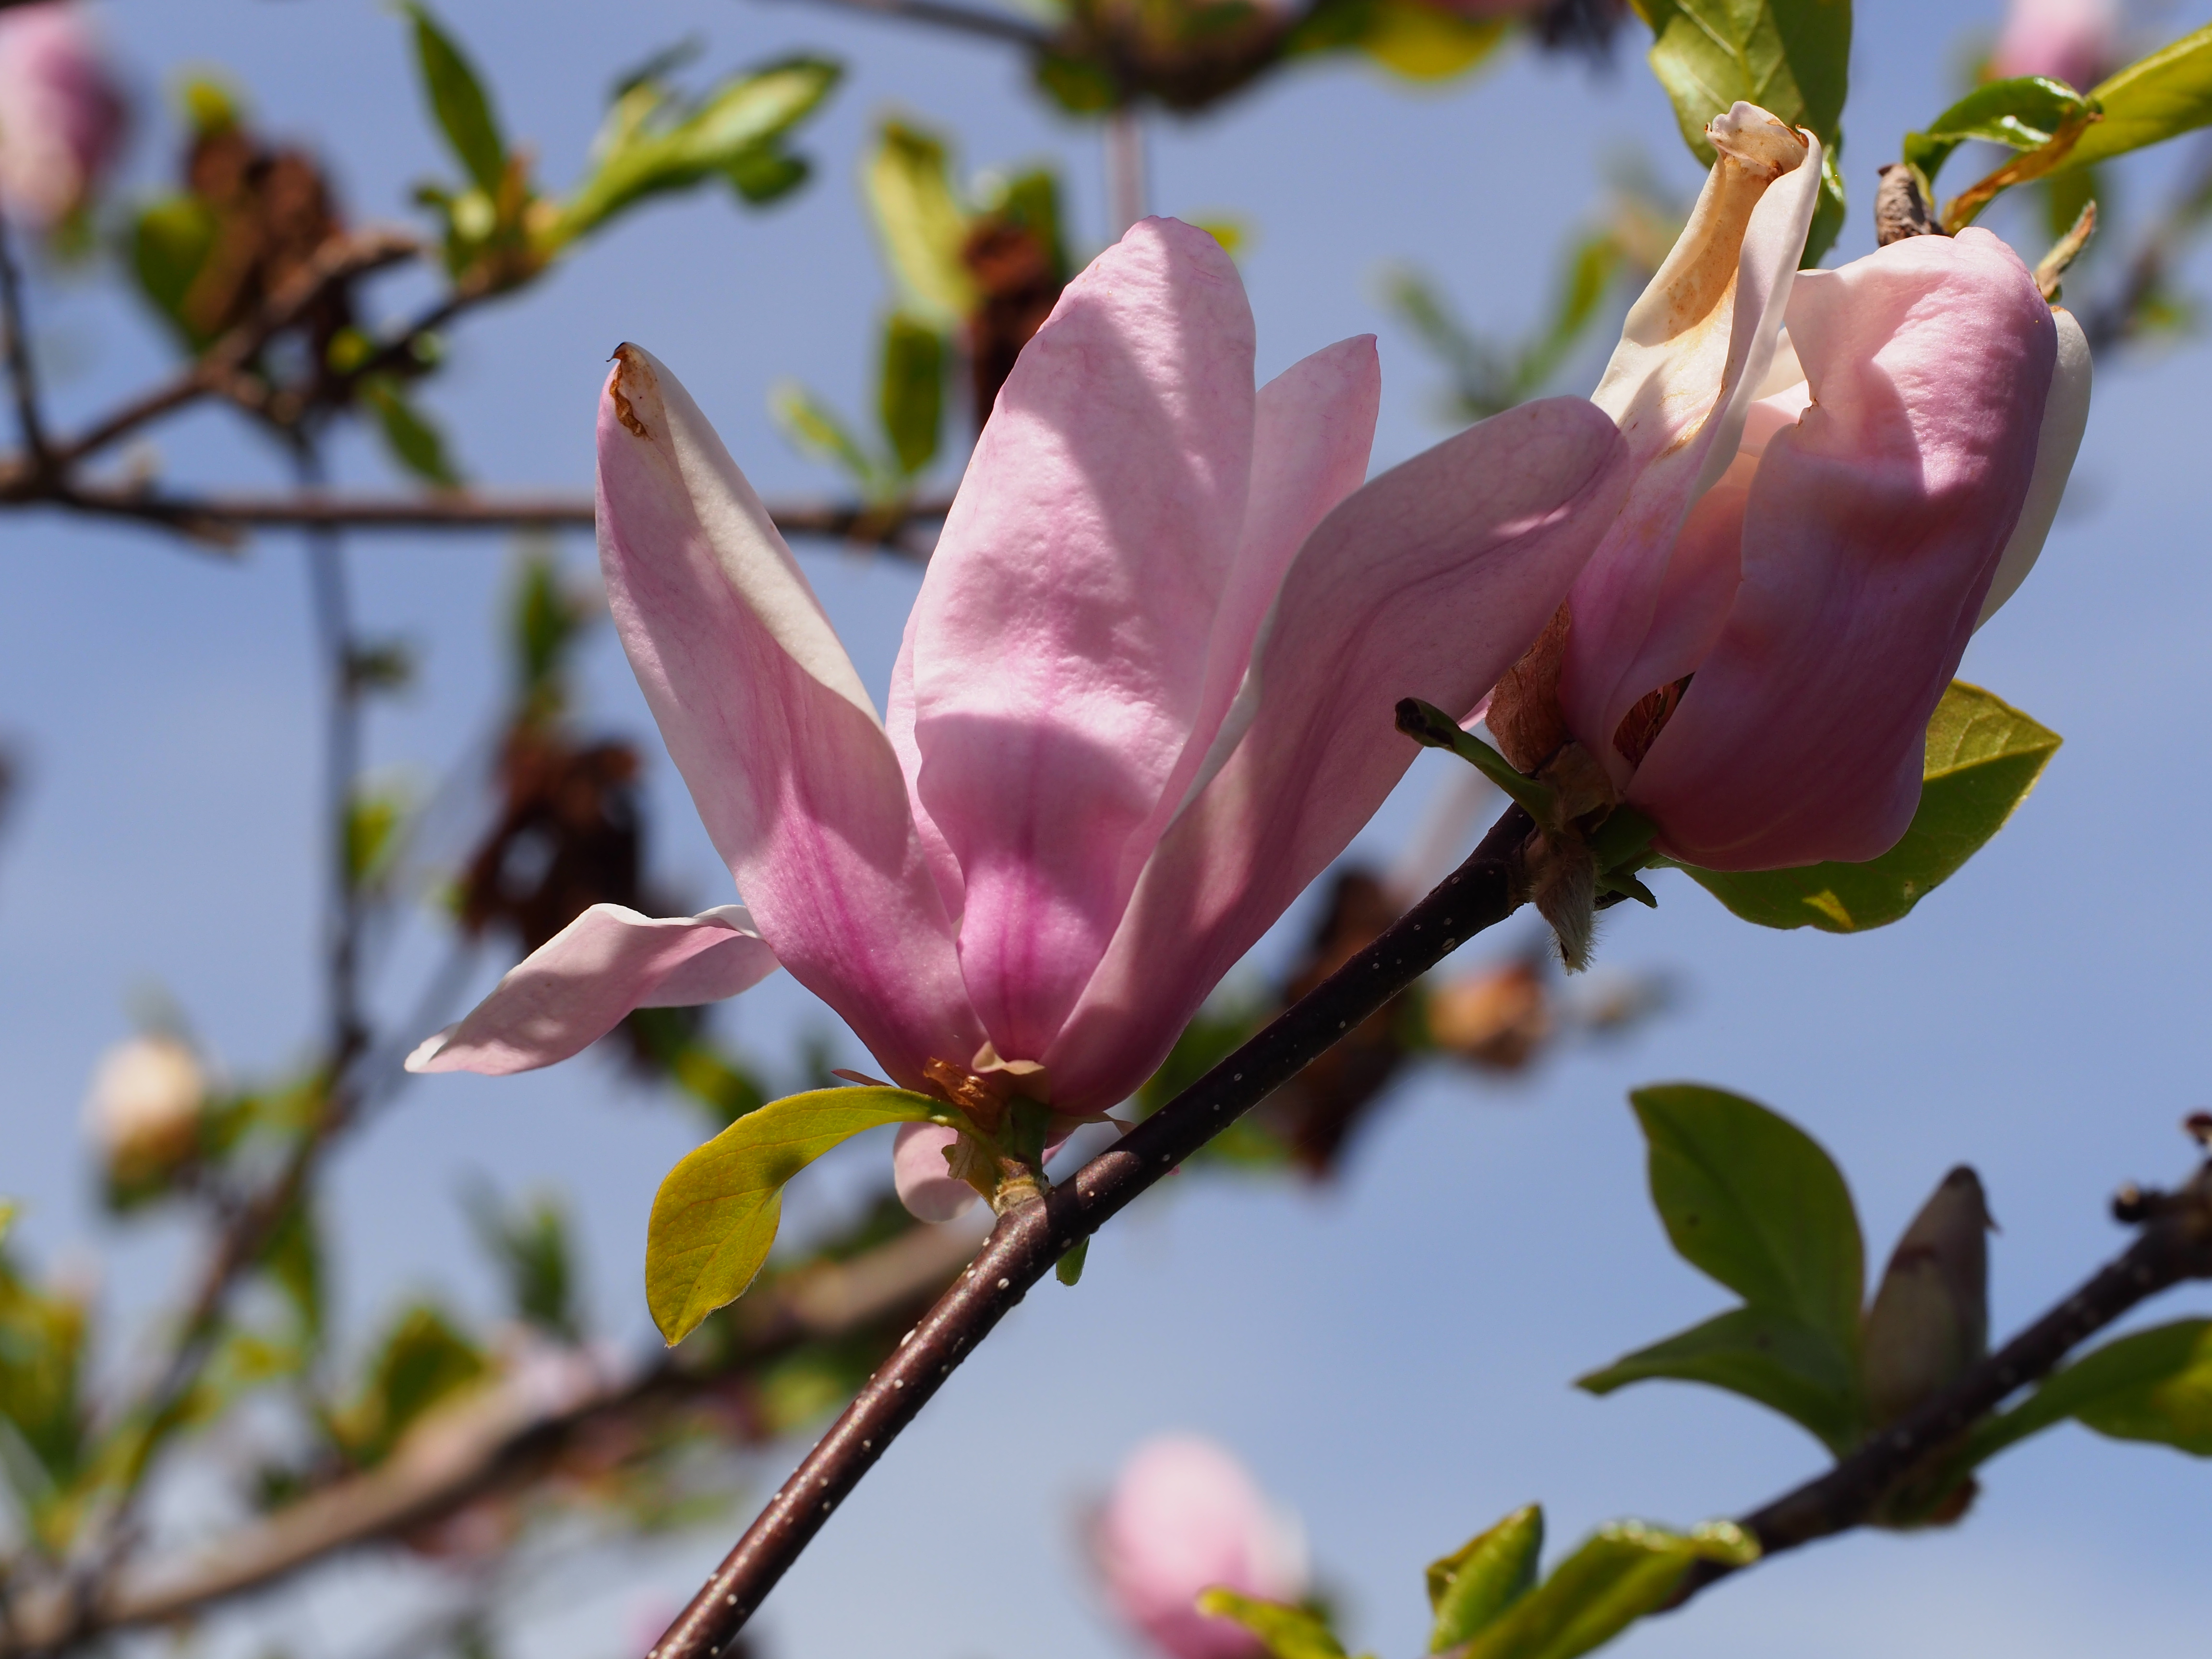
[
  {"x": 2076, "y": 41},
  {"x": 1184, "y": 1518},
  {"x": 1820, "y": 520},
  {"x": 1146, "y": 693},
  {"x": 61, "y": 115}
]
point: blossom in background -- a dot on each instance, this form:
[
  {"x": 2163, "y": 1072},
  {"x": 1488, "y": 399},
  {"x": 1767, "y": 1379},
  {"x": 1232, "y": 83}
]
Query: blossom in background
[
  {"x": 2076, "y": 41},
  {"x": 1183, "y": 1518},
  {"x": 1820, "y": 522},
  {"x": 143, "y": 1107},
  {"x": 1145, "y": 696},
  {"x": 62, "y": 116}
]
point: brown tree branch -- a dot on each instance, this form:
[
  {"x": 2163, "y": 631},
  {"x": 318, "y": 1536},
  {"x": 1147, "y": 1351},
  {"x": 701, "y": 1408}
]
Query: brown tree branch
[
  {"x": 22, "y": 373},
  {"x": 2174, "y": 1245},
  {"x": 221, "y": 520},
  {"x": 1028, "y": 1241},
  {"x": 502, "y": 1439}
]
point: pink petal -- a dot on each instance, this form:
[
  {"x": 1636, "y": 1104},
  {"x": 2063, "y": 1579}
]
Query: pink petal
[
  {"x": 574, "y": 989},
  {"x": 1060, "y": 637},
  {"x": 762, "y": 713},
  {"x": 1692, "y": 354},
  {"x": 1428, "y": 582},
  {"x": 925, "y": 1184},
  {"x": 1871, "y": 533},
  {"x": 2075, "y": 41},
  {"x": 2065, "y": 418}
]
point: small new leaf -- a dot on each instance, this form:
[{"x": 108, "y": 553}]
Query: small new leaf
[
  {"x": 1471, "y": 1587},
  {"x": 1983, "y": 758},
  {"x": 2024, "y": 114},
  {"x": 909, "y": 179},
  {"x": 910, "y": 399},
  {"x": 1286, "y": 1633},
  {"x": 458, "y": 101},
  {"x": 2154, "y": 1385},
  {"x": 2157, "y": 98},
  {"x": 1623, "y": 1572},
  {"x": 715, "y": 1215},
  {"x": 414, "y": 442}
]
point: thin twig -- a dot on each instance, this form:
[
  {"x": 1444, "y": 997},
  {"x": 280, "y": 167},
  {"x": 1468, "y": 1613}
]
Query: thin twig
[
  {"x": 961, "y": 20},
  {"x": 22, "y": 373},
  {"x": 222, "y": 518},
  {"x": 2175, "y": 1245},
  {"x": 221, "y": 368},
  {"x": 1028, "y": 1241}
]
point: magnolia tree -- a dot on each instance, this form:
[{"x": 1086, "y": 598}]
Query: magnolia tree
[{"x": 1172, "y": 648}]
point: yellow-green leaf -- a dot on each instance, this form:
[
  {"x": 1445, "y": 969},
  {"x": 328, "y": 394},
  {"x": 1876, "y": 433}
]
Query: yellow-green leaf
[
  {"x": 1424, "y": 42},
  {"x": 458, "y": 101},
  {"x": 2154, "y": 1385},
  {"x": 2157, "y": 98},
  {"x": 1286, "y": 1633},
  {"x": 715, "y": 1215},
  {"x": 1983, "y": 756},
  {"x": 1623, "y": 1572},
  {"x": 909, "y": 179},
  {"x": 910, "y": 394},
  {"x": 1470, "y": 1587}
]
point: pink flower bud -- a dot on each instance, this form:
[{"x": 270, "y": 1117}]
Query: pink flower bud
[
  {"x": 62, "y": 117},
  {"x": 2075, "y": 41},
  {"x": 1184, "y": 1517}
]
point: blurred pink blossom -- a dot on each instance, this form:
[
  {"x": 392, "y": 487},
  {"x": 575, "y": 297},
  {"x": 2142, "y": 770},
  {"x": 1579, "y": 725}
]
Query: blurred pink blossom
[
  {"x": 1183, "y": 1518},
  {"x": 62, "y": 116},
  {"x": 2076, "y": 41}
]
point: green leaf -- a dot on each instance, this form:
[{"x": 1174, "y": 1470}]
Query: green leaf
[
  {"x": 2159, "y": 97},
  {"x": 169, "y": 245},
  {"x": 458, "y": 100},
  {"x": 817, "y": 429},
  {"x": 1286, "y": 1633},
  {"x": 2024, "y": 113},
  {"x": 1983, "y": 756},
  {"x": 1765, "y": 1355},
  {"x": 1471, "y": 1587},
  {"x": 652, "y": 144},
  {"x": 1030, "y": 202},
  {"x": 292, "y": 1258},
  {"x": 1749, "y": 1199},
  {"x": 423, "y": 1359},
  {"x": 715, "y": 1215},
  {"x": 2154, "y": 1385},
  {"x": 530, "y": 1243},
  {"x": 371, "y": 829},
  {"x": 910, "y": 398},
  {"x": 1791, "y": 57},
  {"x": 1623, "y": 1572},
  {"x": 414, "y": 442},
  {"x": 1423, "y": 42},
  {"x": 910, "y": 184}
]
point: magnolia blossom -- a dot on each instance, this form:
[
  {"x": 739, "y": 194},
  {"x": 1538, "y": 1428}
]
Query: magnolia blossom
[
  {"x": 1184, "y": 1518},
  {"x": 1145, "y": 696},
  {"x": 61, "y": 116},
  {"x": 1819, "y": 522},
  {"x": 2076, "y": 41},
  {"x": 143, "y": 1107}
]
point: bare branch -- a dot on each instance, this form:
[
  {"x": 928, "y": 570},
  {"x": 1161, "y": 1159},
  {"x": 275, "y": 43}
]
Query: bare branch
[
  {"x": 22, "y": 374},
  {"x": 221, "y": 520}
]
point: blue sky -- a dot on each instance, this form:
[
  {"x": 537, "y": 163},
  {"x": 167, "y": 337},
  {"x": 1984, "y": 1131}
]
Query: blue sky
[{"x": 1391, "y": 1355}]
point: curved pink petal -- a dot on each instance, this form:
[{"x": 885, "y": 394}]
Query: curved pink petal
[
  {"x": 2075, "y": 41},
  {"x": 793, "y": 776},
  {"x": 1869, "y": 538},
  {"x": 1429, "y": 582},
  {"x": 1692, "y": 354},
  {"x": 1061, "y": 635},
  {"x": 1313, "y": 432},
  {"x": 2065, "y": 418},
  {"x": 574, "y": 989},
  {"x": 925, "y": 1183}
]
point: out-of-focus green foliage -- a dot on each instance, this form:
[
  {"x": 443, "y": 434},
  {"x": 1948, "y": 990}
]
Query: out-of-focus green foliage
[
  {"x": 529, "y": 1242},
  {"x": 423, "y": 1360}
]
